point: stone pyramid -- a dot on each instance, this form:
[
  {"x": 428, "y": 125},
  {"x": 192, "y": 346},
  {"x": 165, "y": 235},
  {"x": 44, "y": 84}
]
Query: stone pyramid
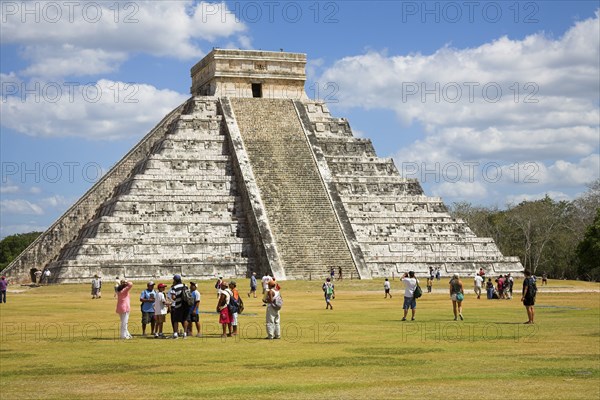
[{"x": 250, "y": 175}]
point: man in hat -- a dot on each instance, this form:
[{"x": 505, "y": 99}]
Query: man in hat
[
  {"x": 147, "y": 300},
  {"x": 160, "y": 311}
]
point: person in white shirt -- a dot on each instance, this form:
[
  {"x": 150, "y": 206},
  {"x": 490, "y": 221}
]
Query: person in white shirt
[
  {"x": 478, "y": 283},
  {"x": 410, "y": 284},
  {"x": 386, "y": 287},
  {"x": 265, "y": 285},
  {"x": 160, "y": 310}
]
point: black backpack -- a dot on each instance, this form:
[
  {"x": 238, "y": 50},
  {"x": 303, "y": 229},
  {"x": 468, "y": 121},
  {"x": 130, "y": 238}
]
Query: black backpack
[
  {"x": 186, "y": 296},
  {"x": 233, "y": 305},
  {"x": 532, "y": 288}
]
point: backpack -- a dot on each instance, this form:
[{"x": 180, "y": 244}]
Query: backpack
[
  {"x": 240, "y": 305},
  {"x": 329, "y": 289},
  {"x": 234, "y": 305},
  {"x": 418, "y": 292},
  {"x": 186, "y": 296},
  {"x": 277, "y": 302},
  {"x": 532, "y": 288}
]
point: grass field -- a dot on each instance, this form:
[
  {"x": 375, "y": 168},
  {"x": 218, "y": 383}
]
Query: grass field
[{"x": 57, "y": 343}]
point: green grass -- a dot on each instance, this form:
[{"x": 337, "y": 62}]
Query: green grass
[{"x": 55, "y": 342}]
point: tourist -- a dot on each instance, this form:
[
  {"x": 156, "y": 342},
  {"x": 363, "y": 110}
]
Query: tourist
[
  {"x": 544, "y": 279},
  {"x": 252, "y": 285},
  {"x": 478, "y": 282},
  {"x": 429, "y": 284},
  {"x": 528, "y": 296},
  {"x": 490, "y": 289},
  {"x": 38, "y": 276},
  {"x": 500, "y": 286},
  {"x": 431, "y": 273},
  {"x": 234, "y": 301},
  {"x": 332, "y": 273},
  {"x": 96, "y": 287},
  {"x": 124, "y": 307},
  {"x": 179, "y": 310},
  {"x": 328, "y": 291},
  {"x": 340, "y": 273},
  {"x": 160, "y": 311},
  {"x": 410, "y": 284},
  {"x": 457, "y": 295},
  {"x": 508, "y": 283},
  {"x": 147, "y": 299},
  {"x": 386, "y": 288},
  {"x": 46, "y": 276},
  {"x": 3, "y": 286},
  {"x": 223, "y": 310},
  {"x": 273, "y": 317},
  {"x": 438, "y": 274},
  {"x": 194, "y": 313},
  {"x": 481, "y": 273}
]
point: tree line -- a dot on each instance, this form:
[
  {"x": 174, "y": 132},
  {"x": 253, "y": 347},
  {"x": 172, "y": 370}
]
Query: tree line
[{"x": 560, "y": 238}]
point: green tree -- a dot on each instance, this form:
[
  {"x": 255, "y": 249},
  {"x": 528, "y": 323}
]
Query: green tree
[
  {"x": 11, "y": 246},
  {"x": 588, "y": 251}
]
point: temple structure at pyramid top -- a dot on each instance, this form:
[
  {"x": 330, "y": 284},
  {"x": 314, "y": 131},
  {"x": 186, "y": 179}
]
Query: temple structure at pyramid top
[
  {"x": 250, "y": 175},
  {"x": 250, "y": 73}
]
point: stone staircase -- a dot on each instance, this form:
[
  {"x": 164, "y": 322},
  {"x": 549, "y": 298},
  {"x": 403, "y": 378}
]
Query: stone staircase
[
  {"x": 300, "y": 214},
  {"x": 178, "y": 212},
  {"x": 397, "y": 227}
]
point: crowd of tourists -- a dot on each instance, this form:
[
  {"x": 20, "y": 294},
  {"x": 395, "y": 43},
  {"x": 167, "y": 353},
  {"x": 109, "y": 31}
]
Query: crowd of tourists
[{"x": 182, "y": 303}]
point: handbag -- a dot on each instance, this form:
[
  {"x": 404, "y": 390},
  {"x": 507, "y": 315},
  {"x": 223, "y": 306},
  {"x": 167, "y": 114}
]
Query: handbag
[
  {"x": 460, "y": 297},
  {"x": 418, "y": 292}
]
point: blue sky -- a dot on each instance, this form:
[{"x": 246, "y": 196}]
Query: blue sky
[{"x": 487, "y": 102}]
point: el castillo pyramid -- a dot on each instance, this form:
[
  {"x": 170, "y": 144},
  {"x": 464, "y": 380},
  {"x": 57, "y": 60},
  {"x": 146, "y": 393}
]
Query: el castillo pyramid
[{"x": 251, "y": 175}]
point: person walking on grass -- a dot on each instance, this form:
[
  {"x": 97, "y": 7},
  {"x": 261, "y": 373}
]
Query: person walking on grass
[
  {"x": 96, "y": 287},
  {"x": 273, "y": 318},
  {"x": 160, "y": 311},
  {"x": 223, "y": 309},
  {"x": 329, "y": 293},
  {"x": 124, "y": 307},
  {"x": 429, "y": 284},
  {"x": 478, "y": 282},
  {"x": 528, "y": 296},
  {"x": 3, "y": 286},
  {"x": 410, "y": 284},
  {"x": 147, "y": 300},
  {"x": 193, "y": 317},
  {"x": 253, "y": 284},
  {"x": 234, "y": 306},
  {"x": 386, "y": 288},
  {"x": 457, "y": 294}
]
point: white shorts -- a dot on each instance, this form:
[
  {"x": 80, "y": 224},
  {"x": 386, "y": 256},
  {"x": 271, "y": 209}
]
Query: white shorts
[{"x": 234, "y": 319}]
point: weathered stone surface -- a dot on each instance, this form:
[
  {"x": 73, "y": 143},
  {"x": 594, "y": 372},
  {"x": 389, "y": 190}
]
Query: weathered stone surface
[{"x": 275, "y": 185}]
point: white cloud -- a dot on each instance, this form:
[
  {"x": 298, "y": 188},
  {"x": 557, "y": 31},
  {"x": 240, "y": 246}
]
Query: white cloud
[
  {"x": 56, "y": 201},
  {"x": 20, "y": 206},
  {"x": 9, "y": 188},
  {"x": 518, "y": 198},
  {"x": 105, "y": 111},
  {"x": 84, "y": 38},
  {"x": 546, "y": 115}
]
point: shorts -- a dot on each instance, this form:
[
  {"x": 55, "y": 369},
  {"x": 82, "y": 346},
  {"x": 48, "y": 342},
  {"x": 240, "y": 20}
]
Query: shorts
[
  {"x": 193, "y": 318},
  {"x": 179, "y": 314},
  {"x": 147, "y": 317},
  {"x": 234, "y": 319},
  {"x": 453, "y": 296},
  {"x": 159, "y": 318},
  {"x": 253, "y": 288},
  {"x": 529, "y": 301},
  {"x": 95, "y": 291},
  {"x": 409, "y": 302},
  {"x": 387, "y": 291}
]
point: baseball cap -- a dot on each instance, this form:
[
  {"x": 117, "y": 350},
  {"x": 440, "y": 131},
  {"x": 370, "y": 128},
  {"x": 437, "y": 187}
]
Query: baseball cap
[
  {"x": 177, "y": 277},
  {"x": 161, "y": 285},
  {"x": 151, "y": 283}
]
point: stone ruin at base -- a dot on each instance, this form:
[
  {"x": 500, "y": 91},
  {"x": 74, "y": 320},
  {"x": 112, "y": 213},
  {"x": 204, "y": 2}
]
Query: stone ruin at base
[{"x": 251, "y": 175}]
